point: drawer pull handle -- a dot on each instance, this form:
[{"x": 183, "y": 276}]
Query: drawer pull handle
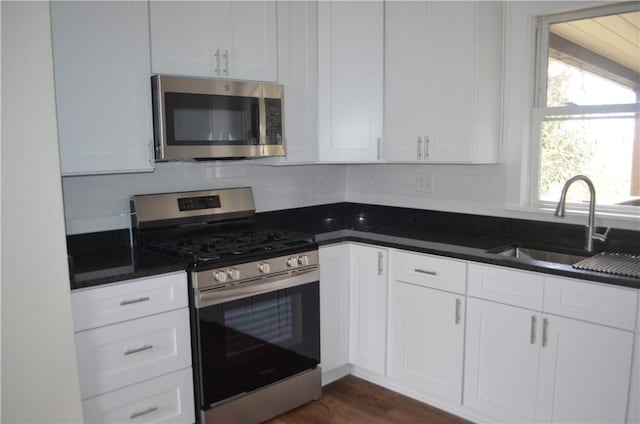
[
  {"x": 140, "y": 349},
  {"x": 138, "y": 300},
  {"x": 458, "y": 304},
  {"x": 424, "y": 271},
  {"x": 145, "y": 412},
  {"x": 534, "y": 321},
  {"x": 380, "y": 263}
]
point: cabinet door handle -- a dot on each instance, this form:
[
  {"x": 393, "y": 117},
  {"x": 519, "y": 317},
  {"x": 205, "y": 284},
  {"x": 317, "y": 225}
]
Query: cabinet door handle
[
  {"x": 425, "y": 271},
  {"x": 379, "y": 142},
  {"x": 545, "y": 330},
  {"x": 217, "y": 56},
  {"x": 534, "y": 321},
  {"x": 458, "y": 304},
  {"x": 419, "y": 147},
  {"x": 145, "y": 412},
  {"x": 152, "y": 153},
  {"x": 426, "y": 147},
  {"x": 138, "y": 300},
  {"x": 139, "y": 349},
  {"x": 226, "y": 62},
  {"x": 380, "y": 260}
]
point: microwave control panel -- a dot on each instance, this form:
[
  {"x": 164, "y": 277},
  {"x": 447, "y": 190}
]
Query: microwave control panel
[{"x": 273, "y": 112}]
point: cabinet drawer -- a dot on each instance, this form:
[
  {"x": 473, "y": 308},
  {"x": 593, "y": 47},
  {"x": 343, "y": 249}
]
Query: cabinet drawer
[
  {"x": 133, "y": 299},
  {"x": 121, "y": 354},
  {"x": 429, "y": 271},
  {"x": 614, "y": 306},
  {"x": 164, "y": 399},
  {"x": 506, "y": 286}
]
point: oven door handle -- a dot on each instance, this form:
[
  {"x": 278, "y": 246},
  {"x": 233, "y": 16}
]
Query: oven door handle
[{"x": 254, "y": 287}]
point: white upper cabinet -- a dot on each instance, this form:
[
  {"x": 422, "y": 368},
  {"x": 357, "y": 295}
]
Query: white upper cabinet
[
  {"x": 214, "y": 39},
  {"x": 103, "y": 90},
  {"x": 443, "y": 81},
  {"x": 350, "y": 81},
  {"x": 298, "y": 72}
]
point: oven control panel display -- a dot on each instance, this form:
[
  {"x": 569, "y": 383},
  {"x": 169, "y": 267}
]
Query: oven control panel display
[{"x": 196, "y": 203}]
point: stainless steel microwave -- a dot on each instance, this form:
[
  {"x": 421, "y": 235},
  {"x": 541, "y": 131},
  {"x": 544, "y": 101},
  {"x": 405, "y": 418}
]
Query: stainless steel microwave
[{"x": 203, "y": 118}]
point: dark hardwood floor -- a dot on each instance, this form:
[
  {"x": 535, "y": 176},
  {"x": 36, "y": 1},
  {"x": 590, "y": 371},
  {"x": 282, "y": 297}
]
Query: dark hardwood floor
[{"x": 352, "y": 400}]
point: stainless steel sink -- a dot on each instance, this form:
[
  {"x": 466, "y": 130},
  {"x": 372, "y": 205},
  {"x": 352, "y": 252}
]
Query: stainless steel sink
[{"x": 528, "y": 253}]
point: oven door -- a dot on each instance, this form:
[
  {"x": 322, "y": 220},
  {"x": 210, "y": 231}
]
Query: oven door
[{"x": 252, "y": 336}]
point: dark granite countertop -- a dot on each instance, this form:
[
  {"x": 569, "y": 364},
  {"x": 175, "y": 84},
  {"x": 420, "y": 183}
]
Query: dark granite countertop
[
  {"x": 475, "y": 250},
  {"x": 106, "y": 257}
]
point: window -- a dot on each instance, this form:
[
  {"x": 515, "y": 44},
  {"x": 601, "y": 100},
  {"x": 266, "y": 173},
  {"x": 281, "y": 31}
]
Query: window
[{"x": 586, "y": 116}]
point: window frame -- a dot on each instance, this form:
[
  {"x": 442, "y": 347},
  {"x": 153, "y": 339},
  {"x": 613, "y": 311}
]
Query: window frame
[{"x": 539, "y": 110}]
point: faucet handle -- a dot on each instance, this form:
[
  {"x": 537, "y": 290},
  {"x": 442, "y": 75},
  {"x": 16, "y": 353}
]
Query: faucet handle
[{"x": 601, "y": 236}]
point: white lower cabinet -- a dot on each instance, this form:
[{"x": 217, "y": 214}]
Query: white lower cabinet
[
  {"x": 166, "y": 399},
  {"x": 334, "y": 308},
  {"x": 489, "y": 343},
  {"x": 426, "y": 324},
  {"x": 128, "y": 352},
  {"x": 584, "y": 372},
  {"x": 633, "y": 411},
  {"x": 531, "y": 365},
  {"x": 501, "y": 361},
  {"x": 426, "y": 336},
  {"x": 368, "y": 307},
  {"x": 134, "y": 351}
]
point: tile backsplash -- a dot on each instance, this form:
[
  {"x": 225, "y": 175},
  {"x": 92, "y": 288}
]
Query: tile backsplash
[{"x": 101, "y": 202}]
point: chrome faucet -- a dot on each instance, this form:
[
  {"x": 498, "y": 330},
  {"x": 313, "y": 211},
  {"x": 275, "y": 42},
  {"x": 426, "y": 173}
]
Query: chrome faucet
[{"x": 590, "y": 231}]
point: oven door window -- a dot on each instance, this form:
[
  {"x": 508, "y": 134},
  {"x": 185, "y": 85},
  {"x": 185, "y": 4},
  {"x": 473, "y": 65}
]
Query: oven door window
[
  {"x": 207, "y": 120},
  {"x": 249, "y": 343}
]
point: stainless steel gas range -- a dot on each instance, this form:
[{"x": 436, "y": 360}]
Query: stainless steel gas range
[{"x": 255, "y": 309}]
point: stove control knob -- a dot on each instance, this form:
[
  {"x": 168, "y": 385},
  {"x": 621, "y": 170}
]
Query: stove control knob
[
  {"x": 303, "y": 260},
  {"x": 264, "y": 267},
  {"x": 292, "y": 262},
  {"x": 220, "y": 276},
  {"x": 233, "y": 274}
]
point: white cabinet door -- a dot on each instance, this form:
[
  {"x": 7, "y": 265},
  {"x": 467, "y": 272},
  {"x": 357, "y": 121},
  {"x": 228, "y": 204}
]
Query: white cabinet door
[
  {"x": 214, "y": 39},
  {"x": 350, "y": 81},
  {"x": 334, "y": 306},
  {"x": 633, "y": 411},
  {"x": 410, "y": 78},
  {"x": 298, "y": 72},
  {"x": 584, "y": 372},
  {"x": 501, "y": 360},
  {"x": 249, "y": 40},
  {"x": 103, "y": 91},
  {"x": 426, "y": 335},
  {"x": 368, "y": 307},
  {"x": 185, "y": 38},
  {"x": 442, "y": 81}
]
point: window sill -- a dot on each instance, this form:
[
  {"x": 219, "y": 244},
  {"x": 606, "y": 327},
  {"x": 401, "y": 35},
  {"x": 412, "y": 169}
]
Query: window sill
[{"x": 627, "y": 221}]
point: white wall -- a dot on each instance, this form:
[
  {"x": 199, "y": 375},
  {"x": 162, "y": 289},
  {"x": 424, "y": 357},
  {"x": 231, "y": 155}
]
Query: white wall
[
  {"x": 98, "y": 203},
  {"x": 39, "y": 374}
]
